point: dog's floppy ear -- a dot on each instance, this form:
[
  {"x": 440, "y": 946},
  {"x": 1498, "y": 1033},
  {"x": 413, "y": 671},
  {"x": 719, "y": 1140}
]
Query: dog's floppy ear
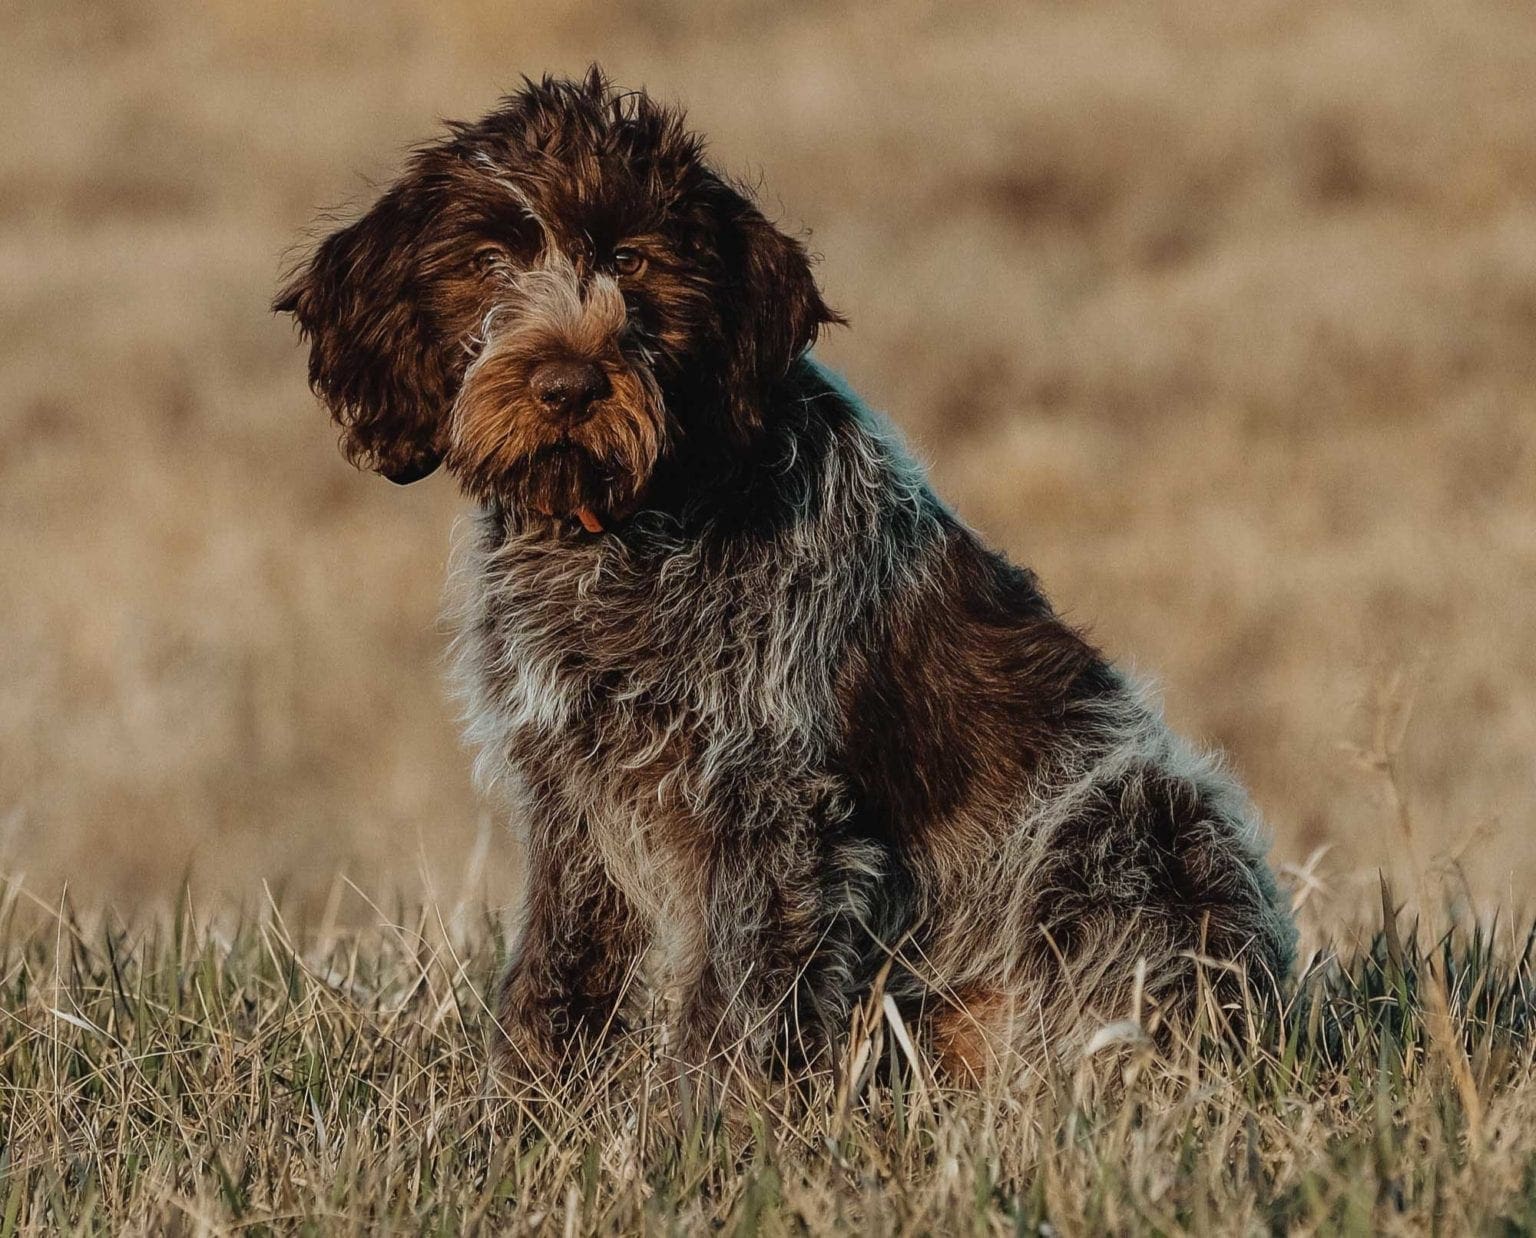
[
  {"x": 775, "y": 310},
  {"x": 373, "y": 358}
]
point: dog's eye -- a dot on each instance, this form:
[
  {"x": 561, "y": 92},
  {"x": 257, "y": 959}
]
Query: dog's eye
[
  {"x": 628, "y": 262},
  {"x": 489, "y": 258}
]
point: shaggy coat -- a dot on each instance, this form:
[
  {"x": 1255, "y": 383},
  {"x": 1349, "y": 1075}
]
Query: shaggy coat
[{"x": 775, "y": 724}]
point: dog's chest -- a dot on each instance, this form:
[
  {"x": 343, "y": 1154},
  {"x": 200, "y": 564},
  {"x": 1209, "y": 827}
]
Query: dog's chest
[
  {"x": 586, "y": 655},
  {"x": 651, "y": 701}
]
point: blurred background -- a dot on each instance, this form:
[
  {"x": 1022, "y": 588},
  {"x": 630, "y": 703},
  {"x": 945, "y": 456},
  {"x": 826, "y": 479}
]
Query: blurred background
[{"x": 1221, "y": 315}]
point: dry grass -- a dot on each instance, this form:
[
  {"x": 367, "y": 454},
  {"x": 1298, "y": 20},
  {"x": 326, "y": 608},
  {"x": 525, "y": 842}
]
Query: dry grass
[{"x": 186, "y": 1076}]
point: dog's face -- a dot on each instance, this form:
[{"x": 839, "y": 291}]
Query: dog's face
[{"x": 552, "y": 301}]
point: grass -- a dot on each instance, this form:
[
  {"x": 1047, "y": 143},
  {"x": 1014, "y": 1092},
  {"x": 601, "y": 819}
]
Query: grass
[{"x": 186, "y": 1074}]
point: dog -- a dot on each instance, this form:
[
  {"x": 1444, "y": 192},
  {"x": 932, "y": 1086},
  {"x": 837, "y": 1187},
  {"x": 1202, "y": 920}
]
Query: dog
[{"x": 777, "y": 727}]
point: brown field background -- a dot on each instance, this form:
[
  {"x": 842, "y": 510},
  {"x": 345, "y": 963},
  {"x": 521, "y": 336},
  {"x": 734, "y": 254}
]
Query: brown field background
[{"x": 1221, "y": 315}]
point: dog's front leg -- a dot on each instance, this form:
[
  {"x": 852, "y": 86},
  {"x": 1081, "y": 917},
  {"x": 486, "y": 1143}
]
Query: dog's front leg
[
  {"x": 758, "y": 933},
  {"x": 574, "y": 959}
]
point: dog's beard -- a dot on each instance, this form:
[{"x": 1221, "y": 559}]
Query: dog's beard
[
  {"x": 505, "y": 448},
  {"x": 566, "y": 482}
]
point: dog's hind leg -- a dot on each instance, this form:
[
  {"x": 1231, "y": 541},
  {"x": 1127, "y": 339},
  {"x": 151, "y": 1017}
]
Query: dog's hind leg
[{"x": 1144, "y": 901}]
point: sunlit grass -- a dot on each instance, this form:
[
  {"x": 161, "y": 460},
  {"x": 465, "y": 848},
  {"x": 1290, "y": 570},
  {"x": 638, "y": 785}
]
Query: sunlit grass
[{"x": 202, "y": 1075}]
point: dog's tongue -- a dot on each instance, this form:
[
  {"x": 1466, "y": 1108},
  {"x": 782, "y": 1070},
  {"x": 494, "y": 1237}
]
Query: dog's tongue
[{"x": 586, "y": 515}]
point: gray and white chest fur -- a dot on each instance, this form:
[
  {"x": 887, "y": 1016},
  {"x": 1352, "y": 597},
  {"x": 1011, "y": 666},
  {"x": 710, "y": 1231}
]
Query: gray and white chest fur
[{"x": 659, "y": 689}]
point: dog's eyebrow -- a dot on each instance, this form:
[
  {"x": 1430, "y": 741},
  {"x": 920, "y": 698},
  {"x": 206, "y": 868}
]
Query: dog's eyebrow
[{"x": 516, "y": 192}]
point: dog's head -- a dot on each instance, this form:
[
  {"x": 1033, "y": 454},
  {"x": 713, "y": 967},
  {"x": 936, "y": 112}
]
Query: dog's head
[{"x": 552, "y": 301}]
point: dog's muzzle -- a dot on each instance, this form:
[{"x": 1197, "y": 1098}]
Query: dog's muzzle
[{"x": 559, "y": 413}]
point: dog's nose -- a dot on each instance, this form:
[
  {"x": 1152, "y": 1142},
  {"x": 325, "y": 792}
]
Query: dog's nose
[{"x": 569, "y": 388}]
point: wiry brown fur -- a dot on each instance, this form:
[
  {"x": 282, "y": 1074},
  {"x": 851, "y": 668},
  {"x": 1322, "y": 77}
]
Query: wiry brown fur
[{"x": 773, "y": 721}]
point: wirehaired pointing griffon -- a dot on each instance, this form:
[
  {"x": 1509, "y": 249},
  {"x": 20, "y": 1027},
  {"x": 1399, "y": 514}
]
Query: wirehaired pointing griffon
[{"x": 773, "y": 719}]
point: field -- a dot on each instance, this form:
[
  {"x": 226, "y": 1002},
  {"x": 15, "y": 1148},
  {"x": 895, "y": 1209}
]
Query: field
[
  {"x": 1220, "y": 315},
  {"x": 197, "y": 1077}
]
